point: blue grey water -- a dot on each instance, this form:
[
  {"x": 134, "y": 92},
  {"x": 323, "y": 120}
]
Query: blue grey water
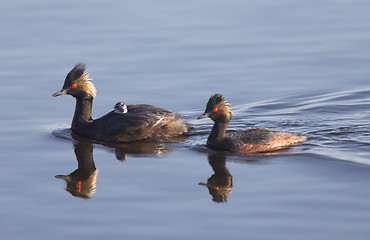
[{"x": 299, "y": 66}]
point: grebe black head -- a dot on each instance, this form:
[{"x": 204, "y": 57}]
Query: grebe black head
[
  {"x": 250, "y": 141},
  {"x": 77, "y": 83},
  {"x": 217, "y": 108},
  {"x": 120, "y": 107}
]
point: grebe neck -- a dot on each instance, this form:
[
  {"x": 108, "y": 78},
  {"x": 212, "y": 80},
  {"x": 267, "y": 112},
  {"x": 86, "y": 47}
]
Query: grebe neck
[
  {"x": 82, "y": 114},
  {"x": 218, "y": 131}
]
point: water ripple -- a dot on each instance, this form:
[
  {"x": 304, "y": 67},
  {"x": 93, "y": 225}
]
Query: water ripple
[{"x": 337, "y": 124}]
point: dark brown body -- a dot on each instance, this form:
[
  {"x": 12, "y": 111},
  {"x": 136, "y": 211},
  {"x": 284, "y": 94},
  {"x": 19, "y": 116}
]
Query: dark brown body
[
  {"x": 140, "y": 122},
  {"x": 256, "y": 140}
]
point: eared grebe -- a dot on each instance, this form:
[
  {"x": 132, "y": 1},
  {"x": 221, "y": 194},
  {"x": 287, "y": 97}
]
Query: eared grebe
[
  {"x": 250, "y": 141},
  {"x": 141, "y": 121},
  {"x": 120, "y": 108}
]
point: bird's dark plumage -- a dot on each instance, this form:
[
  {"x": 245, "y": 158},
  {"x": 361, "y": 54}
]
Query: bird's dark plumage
[
  {"x": 142, "y": 121},
  {"x": 250, "y": 141}
]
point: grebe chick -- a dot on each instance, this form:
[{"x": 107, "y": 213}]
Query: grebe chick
[
  {"x": 141, "y": 121},
  {"x": 249, "y": 141},
  {"x": 120, "y": 107}
]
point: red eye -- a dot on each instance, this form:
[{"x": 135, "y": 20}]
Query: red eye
[
  {"x": 74, "y": 85},
  {"x": 215, "y": 110}
]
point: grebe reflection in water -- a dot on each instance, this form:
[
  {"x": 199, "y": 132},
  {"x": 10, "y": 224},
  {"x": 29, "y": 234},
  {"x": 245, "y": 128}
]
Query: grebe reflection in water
[
  {"x": 220, "y": 183},
  {"x": 82, "y": 182}
]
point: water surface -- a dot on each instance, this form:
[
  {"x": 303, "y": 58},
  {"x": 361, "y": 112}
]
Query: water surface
[{"x": 293, "y": 65}]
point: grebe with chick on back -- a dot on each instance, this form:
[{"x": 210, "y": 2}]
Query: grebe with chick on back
[{"x": 139, "y": 121}]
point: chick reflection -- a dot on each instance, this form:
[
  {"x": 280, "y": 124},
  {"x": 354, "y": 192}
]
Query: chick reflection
[
  {"x": 82, "y": 182},
  {"x": 138, "y": 149},
  {"x": 221, "y": 182}
]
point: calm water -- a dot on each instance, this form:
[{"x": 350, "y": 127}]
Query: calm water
[{"x": 293, "y": 65}]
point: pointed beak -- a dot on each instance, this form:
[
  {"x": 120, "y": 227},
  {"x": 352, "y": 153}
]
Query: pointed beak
[
  {"x": 65, "y": 177},
  {"x": 61, "y": 92},
  {"x": 204, "y": 115}
]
